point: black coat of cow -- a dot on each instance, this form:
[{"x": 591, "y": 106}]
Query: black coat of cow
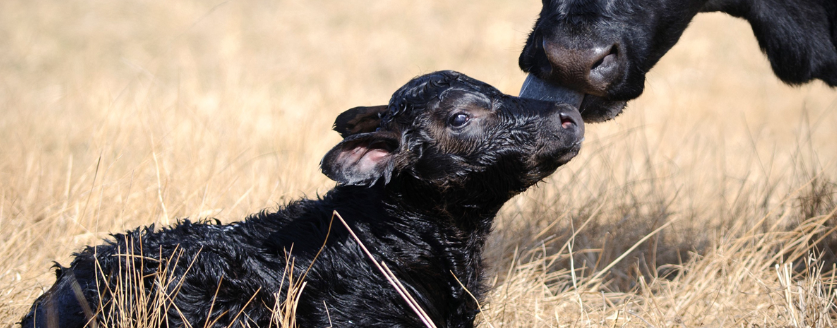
[
  {"x": 420, "y": 181},
  {"x": 603, "y": 48}
]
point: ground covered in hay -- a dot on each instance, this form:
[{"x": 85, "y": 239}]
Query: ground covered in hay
[{"x": 710, "y": 202}]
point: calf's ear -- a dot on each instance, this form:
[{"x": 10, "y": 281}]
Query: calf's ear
[
  {"x": 361, "y": 159},
  {"x": 359, "y": 119}
]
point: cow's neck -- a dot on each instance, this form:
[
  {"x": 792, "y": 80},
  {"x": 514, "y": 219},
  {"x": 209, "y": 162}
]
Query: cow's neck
[{"x": 798, "y": 36}]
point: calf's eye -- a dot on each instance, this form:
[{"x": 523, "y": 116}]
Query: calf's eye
[{"x": 459, "y": 120}]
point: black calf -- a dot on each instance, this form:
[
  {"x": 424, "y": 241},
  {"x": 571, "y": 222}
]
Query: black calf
[
  {"x": 419, "y": 181},
  {"x": 603, "y": 48}
]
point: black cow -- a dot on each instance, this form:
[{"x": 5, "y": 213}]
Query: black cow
[
  {"x": 419, "y": 180},
  {"x": 603, "y": 48}
]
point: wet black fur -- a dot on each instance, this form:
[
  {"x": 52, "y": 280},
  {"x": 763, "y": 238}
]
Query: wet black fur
[
  {"x": 426, "y": 214},
  {"x": 799, "y": 38}
]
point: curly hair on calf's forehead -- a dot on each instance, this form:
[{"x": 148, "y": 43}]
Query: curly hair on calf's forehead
[{"x": 414, "y": 96}]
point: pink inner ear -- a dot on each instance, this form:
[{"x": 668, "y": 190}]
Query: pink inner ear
[
  {"x": 363, "y": 159},
  {"x": 371, "y": 159}
]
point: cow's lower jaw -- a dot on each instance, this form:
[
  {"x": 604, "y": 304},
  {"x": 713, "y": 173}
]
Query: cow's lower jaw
[
  {"x": 593, "y": 108},
  {"x": 596, "y": 109}
]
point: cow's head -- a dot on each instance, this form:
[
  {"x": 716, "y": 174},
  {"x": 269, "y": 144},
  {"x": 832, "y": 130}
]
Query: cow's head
[{"x": 602, "y": 49}]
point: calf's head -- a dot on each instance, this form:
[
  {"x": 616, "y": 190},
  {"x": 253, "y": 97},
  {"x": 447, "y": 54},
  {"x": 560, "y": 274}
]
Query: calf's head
[
  {"x": 446, "y": 135},
  {"x": 602, "y": 49}
]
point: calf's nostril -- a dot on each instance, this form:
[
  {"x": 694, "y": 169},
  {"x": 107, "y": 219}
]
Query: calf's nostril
[{"x": 566, "y": 120}]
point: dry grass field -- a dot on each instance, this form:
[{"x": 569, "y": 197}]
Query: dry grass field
[{"x": 710, "y": 202}]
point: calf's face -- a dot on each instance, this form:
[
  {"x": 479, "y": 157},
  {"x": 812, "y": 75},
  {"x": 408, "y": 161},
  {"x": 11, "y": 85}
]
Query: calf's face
[{"x": 447, "y": 130}]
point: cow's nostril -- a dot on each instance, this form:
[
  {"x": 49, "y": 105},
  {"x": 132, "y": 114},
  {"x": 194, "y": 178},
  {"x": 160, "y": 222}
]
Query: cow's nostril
[
  {"x": 590, "y": 69},
  {"x": 608, "y": 60},
  {"x": 605, "y": 69}
]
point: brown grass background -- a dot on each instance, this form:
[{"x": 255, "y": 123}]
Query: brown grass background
[{"x": 115, "y": 114}]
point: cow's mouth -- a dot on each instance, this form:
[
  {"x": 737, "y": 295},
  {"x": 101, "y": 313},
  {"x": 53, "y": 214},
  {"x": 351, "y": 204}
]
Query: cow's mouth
[
  {"x": 535, "y": 88},
  {"x": 592, "y": 108}
]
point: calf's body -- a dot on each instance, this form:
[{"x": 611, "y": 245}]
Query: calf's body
[{"x": 419, "y": 180}]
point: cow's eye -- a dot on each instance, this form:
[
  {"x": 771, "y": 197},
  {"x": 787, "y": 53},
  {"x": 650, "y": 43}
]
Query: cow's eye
[{"x": 459, "y": 120}]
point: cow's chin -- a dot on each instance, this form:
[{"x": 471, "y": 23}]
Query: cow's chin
[
  {"x": 596, "y": 109},
  {"x": 593, "y": 109}
]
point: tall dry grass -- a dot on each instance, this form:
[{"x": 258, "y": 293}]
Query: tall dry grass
[{"x": 710, "y": 201}]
